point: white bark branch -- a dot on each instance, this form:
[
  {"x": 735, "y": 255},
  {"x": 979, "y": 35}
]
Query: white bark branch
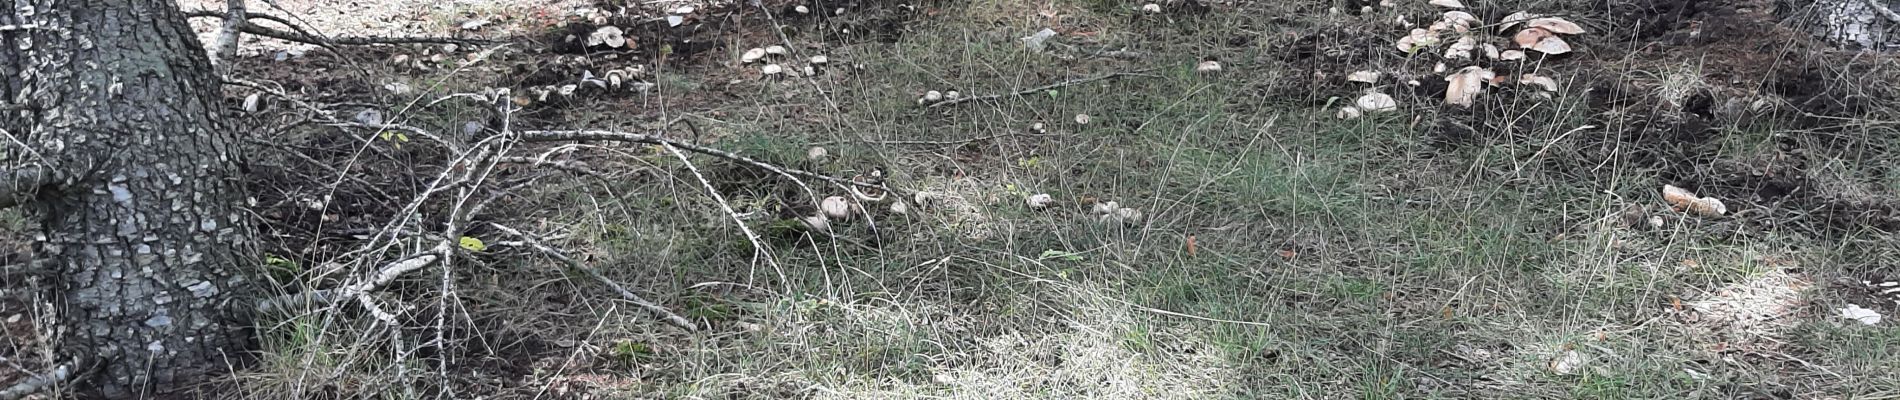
[
  {"x": 1883, "y": 10},
  {"x": 600, "y": 135},
  {"x": 234, "y": 20},
  {"x": 385, "y": 275},
  {"x": 758, "y": 249}
]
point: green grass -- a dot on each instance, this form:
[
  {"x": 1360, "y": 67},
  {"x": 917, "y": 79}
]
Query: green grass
[{"x": 1333, "y": 258}]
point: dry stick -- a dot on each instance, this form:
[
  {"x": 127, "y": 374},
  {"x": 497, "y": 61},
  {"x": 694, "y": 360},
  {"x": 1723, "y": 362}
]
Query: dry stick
[
  {"x": 758, "y": 249},
  {"x": 629, "y": 295},
  {"x": 304, "y": 37},
  {"x": 599, "y": 135},
  {"x": 1043, "y": 88},
  {"x": 36, "y": 383},
  {"x": 388, "y": 273}
]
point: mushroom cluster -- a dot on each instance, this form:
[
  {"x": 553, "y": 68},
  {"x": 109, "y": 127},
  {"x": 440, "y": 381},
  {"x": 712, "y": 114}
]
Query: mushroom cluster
[{"x": 1460, "y": 39}]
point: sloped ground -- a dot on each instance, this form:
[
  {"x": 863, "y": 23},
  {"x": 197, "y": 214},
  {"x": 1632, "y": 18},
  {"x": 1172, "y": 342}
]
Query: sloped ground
[{"x": 1518, "y": 248}]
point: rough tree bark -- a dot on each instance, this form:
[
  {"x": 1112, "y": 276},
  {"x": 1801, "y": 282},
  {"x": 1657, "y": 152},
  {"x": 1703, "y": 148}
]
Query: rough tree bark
[{"x": 143, "y": 209}]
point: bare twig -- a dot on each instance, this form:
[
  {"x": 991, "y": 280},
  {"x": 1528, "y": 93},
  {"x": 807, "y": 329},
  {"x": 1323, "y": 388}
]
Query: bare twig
[
  {"x": 599, "y": 135},
  {"x": 20, "y": 183},
  {"x": 388, "y": 273},
  {"x": 758, "y": 249},
  {"x": 629, "y": 295},
  {"x": 928, "y": 142},
  {"x": 1039, "y": 89},
  {"x": 39, "y": 382},
  {"x": 301, "y": 36},
  {"x": 37, "y": 267}
]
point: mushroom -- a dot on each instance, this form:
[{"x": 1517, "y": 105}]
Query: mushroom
[
  {"x": 835, "y": 207},
  {"x": 1376, "y": 102},
  {"x": 752, "y": 55}
]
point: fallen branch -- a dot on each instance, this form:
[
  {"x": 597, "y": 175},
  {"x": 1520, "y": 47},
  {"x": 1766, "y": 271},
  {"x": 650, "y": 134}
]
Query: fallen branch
[
  {"x": 758, "y": 249},
  {"x": 301, "y": 36},
  {"x": 1883, "y": 10},
  {"x": 598, "y": 135},
  {"x": 1039, "y": 89},
  {"x": 629, "y": 295},
  {"x": 383, "y": 276},
  {"x": 234, "y": 19},
  {"x": 39, "y": 382}
]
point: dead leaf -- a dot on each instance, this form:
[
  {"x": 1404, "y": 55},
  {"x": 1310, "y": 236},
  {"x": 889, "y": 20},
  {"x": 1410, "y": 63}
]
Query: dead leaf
[{"x": 1555, "y": 25}]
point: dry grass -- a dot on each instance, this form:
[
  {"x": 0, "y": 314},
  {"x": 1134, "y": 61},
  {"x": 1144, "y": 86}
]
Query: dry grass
[{"x": 1433, "y": 252}]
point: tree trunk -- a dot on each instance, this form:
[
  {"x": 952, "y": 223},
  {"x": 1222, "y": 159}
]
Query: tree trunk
[
  {"x": 1863, "y": 24},
  {"x": 145, "y": 216}
]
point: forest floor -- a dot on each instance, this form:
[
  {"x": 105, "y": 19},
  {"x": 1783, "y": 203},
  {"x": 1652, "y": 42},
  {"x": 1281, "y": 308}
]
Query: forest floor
[{"x": 1519, "y": 247}]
